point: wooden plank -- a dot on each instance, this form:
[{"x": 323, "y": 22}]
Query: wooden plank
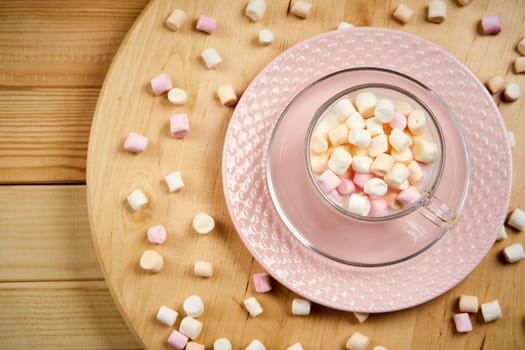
[
  {"x": 44, "y": 234},
  {"x": 61, "y": 315},
  {"x": 67, "y": 43}
]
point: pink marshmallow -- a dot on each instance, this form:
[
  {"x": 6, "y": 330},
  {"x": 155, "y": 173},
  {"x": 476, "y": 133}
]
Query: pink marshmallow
[
  {"x": 206, "y": 24},
  {"x": 157, "y": 234},
  {"x": 409, "y": 196},
  {"x": 179, "y": 125},
  {"x": 378, "y": 207},
  {"x": 346, "y": 187},
  {"x": 328, "y": 181},
  {"x": 491, "y": 24},
  {"x": 262, "y": 282},
  {"x": 135, "y": 143},
  {"x": 463, "y": 324},
  {"x": 335, "y": 196},
  {"x": 177, "y": 340},
  {"x": 399, "y": 121},
  {"x": 161, "y": 83},
  {"x": 360, "y": 179}
]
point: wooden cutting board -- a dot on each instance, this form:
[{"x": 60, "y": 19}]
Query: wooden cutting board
[{"x": 126, "y": 104}]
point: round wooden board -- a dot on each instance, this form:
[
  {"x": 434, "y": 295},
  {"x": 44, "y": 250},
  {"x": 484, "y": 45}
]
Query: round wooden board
[{"x": 126, "y": 104}]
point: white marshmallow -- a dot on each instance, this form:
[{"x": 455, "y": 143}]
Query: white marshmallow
[
  {"x": 397, "y": 175},
  {"x": 203, "y": 223},
  {"x": 375, "y": 187},
  {"x": 137, "y": 200},
  {"x": 318, "y": 145},
  {"x": 491, "y": 311},
  {"x": 301, "y": 307},
  {"x": 379, "y": 347},
  {"x": 362, "y": 164},
  {"x": 319, "y": 163},
  {"x": 355, "y": 121},
  {"x": 357, "y": 341},
  {"x": 521, "y": 47},
  {"x": 174, "y": 181},
  {"x": 378, "y": 145},
  {"x": 468, "y": 303},
  {"x": 402, "y": 157},
  {"x": 326, "y": 125},
  {"x": 382, "y": 164},
  {"x": 399, "y": 140},
  {"x": 358, "y": 204},
  {"x": 338, "y": 135},
  {"x": 167, "y": 315},
  {"x": 502, "y": 234},
  {"x": 194, "y": 346},
  {"x": 265, "y": 37},
  {"x": 517, "y": 219},
  {"x": 343, "y": 108},
  {"x": 346, "y": 25},
  {"x": 340, "y": 161},
  {"x": 403, "y": 107},
  {"x": 301, "y": 8},
  {"x": 426, "y": 151},
  {"x": 416, "y": 173},
  {"x": 255, "y": 345},
  {"x": 176, "y": 19},
  {"x": 417, "y": 122},
  {"x": 361, "y": 316},
  {"x": 190, "y": 327},
  {"x": 193, "y": 306},
  {"x": 512, "y": 92},
  {"x": 437, "y": 11},
  {"x": 359, "y": 137},
  {"x": 512, "y": 139},
  {"x": 203, "y": 269},
  {"x": 513, "y": 253},
  {"x": 211, "y": 58},
  {"x": 374, "y": 126},
  {"x": 178, "y": 96},
  {"x": 227, "y": 95},
  {"x": 253, "y": 307},
  {"x": 296, "y": 346},
  {"x": 151, "y": 261},
  {"x": 255, "y": 9},
  {"x": 384, "y": 111},
  {"x": 366, "y": 103},
  {"x": 222, "y": 344}
]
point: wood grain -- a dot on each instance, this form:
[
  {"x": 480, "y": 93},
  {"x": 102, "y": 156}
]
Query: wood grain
[{"x": 119, "y": 233}]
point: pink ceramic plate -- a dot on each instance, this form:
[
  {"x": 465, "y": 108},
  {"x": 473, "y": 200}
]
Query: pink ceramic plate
[{"x": 320, "y": 279}]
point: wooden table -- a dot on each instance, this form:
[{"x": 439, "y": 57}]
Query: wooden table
[{"x": 53, "y": 58}]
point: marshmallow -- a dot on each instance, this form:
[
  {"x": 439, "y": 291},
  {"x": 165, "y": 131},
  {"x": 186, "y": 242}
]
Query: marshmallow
[
  {"x": 359, "y": 137},
  {"x": 151, "y": 261},
  {"x": 339, "y": 161},
  {"x": 265, "y": 37},
  {"x": 399, "y": 140},
  {"x": 366, "y": 103},
  {"x": 358, "y": 204},
  {"x": 253, "y": 307},
  {"x": 319, "y": 163},
  {"x": 227, "y": 95},
  {"x": 203, "y": 223},
  {"x": 301, "y": 8},
  {"x": 379, "y": 347},
  {"x": 417, "y": 122},
  {"x": 190, "y": 327},
  {"x": 397, "y": 175},
  {"x": 384, "y": 111},
  {"x": 179, "y": 125},
  {"x": 326, "y": 125},
  {"x": 346, "y": 187},
  {"x": 296, "y": 346},
  {"x": 301, "y": 307},
  {"x": 437, "y": 11},
  {"x": 402, "y": 157},
  {"x": 491, "y": 24},
  {"x": 519, "y": 64},
  {"x": 517, "y": 219},
  {"x": 177, "y": 96},
  {"x": 463, "y": 324},
  {"x": 374, "y": 126},
  {"x": 468, "y": 303},
  {"x": 361, "y": 317},
  {"x": 222, "y": 344},
  {"x": 360, "y": 179},
  {"x": 382, "y": 164},
  {"x": 375, "y": 187},
  {"x": 203, "y": 269},
  {"x": 206, "y": 24},
  {"x": 167, "y": 315},
  {"x": 335, "y": 196},
  {"x": 344, "y": 25},
  {"x": 513, "y": 253},
  {"x": 357, "y": 341},
  {"x": 403, "y": 13},
  {"x": 262, "y": 282},
  {"x": 161, "y": 83},
  {"x": 177, "y": 340},
  {"x": 176, "y": 19},
  {"x": 338, "y": 135},
  {"x": 495, "y": 84},
  {"x": 378, "y": 207},
  {"x": 156, "y": 234},
  {"x": 174, "y": 181},
  {"x": 416, "y": 173},
  {"x": 409, "y": 197},
  {"x": 343, "y": 108},
  {"x": 464, "y": 2},
  {"x": 193, "y": 306},
  {"x": 137, "y": 200},
  {"x": 399, "y": 121},
  {"x": 135, "y": 143},
  {"x": 378, "y": 145},
  {"x": 521, "y": 46},
  {"x": 211, "y": 58},
  {"x": 426, "y": 151},
  {"x": 194, "y": 346},
  {"x": 512, "y": 139},
  {"x": 355, "y": 121},
  {"x": 318, "y": 145},
  {"x": 255, "y": 9},
  {"x": 404, "y": 107},
  {"x": 491, "y": 311},
  {"x": 361, "y": 164},
  {"x": 512, "y": 92},
  {"x": 255, "y": 345},
  {"x": 502, "y": 234},
  {"x": 328, "y": 181},
  {"x": 391, "y": 199}
]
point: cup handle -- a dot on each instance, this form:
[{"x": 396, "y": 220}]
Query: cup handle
[{"x": 438, "y": 212}]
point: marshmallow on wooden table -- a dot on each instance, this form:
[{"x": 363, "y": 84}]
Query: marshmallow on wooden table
[
  {"x": 262, "y": 282},
  {"x": 366, "y": 103},
  {"x": 296, "y": 346},
  {"x": 206, "y": 24},
  {"x": 190, "y": 327},
  {"x": 135, "y": 143},
  {"x": 521, "y": 46},
  {"x": 399, "y": 120},
  {"x": 361, "y": 316},
  {"x": 343, "y": 108},
  {"x": 203, "y": 223},
  {"x": 517, "y": 219},
  {"x": 346, "y": 187},
  {"x": 340, "y": 161},
  {"x": 194, "y": 346},
  {"x": 227, "y": 95},
  {"x": 344, "y": 25},
  {"x": 491, "y": 24},
  {"x": 255, "y": 345},
  {"x": 379, "y": 347},
  {"x": 301, "y": 8},
  {"x": 179, "y": 125},
  {"x": 319, "y": 163},
  {"x": 161, "y": 83},
  {"x": 176, "y": 19},
  {"x": 301, "y": 307},
  {"x": 252, "y": 305},
  {"x": 355, "y": 121},
  {"x": 415, "y": 172},
  {"x": 211, "y": 58},
  {"x": 151, "y": 261},
  {"x": 177, "y": 96},
  {"x": 174, "y": 181},
  {"x": 463, "y": 324},
  {"x": 403, "y": 13},
  {"x": 156, "y": 234},
  {"x": 512, "y": 92},
  {"x": 359, "y": 137},
  {"x": 513, "y": 253},
  {"x": 177, "y": 340},
  {"x": 203, "y": 269},
  {"x": 375, "y": 187},
  {"x": 358, "y": 204},
  {"x": 167, "y": 315},
  {"x": 361, "y": 164},
  {"x": 338, "y": 135},
  {"x": 491, "y": 311},
  {"x": 384, "y": 111},
  {"x": 378, "y": 145},
  {"x": 328, "y": 181},
  {"x": 495, "y": 84},
  {"x": 255, "y": 9},
  {"x": 318, "y": 145},
  {"x": 512, "y": 139},
  {"x": 357, "y": 341},
  {"x": 464, "y": 2},
  {"x": 397, "y": 175},
  {"x": 137, "y": 200},
  {"x": 502, "y": 234},
  {"x": 265, "y": 37},
  {"x": 426, "y": 151},
  {"x": 468, "y": 303},
  {"x": 437, "y": 11},
  {"x": 193, "y": 306},
  {"x": 417, "y": 122},
  {"x": 382, "y": 164},
  {"x": 222, "y": 344},
  {"x": 399, "y": 140},
  {"x": 409, "y": 197},
  {"x": 519, "y": 64}
]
